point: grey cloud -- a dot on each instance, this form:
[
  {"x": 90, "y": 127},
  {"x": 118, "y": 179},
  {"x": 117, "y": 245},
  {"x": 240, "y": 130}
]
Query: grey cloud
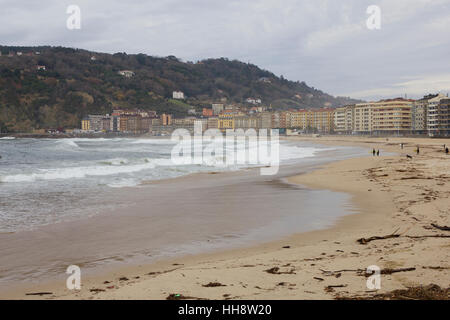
[{"x": 322, "y": 42}]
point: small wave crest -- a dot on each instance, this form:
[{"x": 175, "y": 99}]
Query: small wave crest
[{"x": 77, "y": 172}]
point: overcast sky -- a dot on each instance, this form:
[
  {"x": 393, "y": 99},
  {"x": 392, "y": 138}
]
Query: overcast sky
[{"x": 323, "y": 42}]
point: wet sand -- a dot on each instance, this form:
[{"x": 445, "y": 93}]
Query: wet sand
[
  {"x": 391, "y": 195},
  {"x": 196, "y": 214}
]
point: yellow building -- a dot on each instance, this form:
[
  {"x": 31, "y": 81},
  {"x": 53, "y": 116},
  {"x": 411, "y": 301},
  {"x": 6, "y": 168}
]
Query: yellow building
[
  {"x": 392, "y": 116},
  {"x": 226, "y": 121},
  {"x": 123, "y": 123},
  {"x": 85, "y": 124},
  {"x": 300, "y": 119},
  {"x": 323, "y": 120},
  {"x": 166, "y": 119}
]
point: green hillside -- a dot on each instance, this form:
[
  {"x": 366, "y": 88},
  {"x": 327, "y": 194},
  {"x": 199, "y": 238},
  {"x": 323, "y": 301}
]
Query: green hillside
[{"x": 75, "y": 84}]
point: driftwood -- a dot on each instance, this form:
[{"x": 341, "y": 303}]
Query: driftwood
[
  {"x": 334, "y": 273},
  {"x": 337, "y": 286},
  {"x": 436, "y": 268},
  {"x": 417, "y": 178},
  {"x": 395, "y": 235},
  {"x": 391, "y": 271},
  {"x": 442, "y": 228},
  {"x": 331, "y": 288},
  {"x": 213, "y": 284},
  {"x": 276, "y": 270},
  {"x": 319, "y": 279},
  {"x": 363, "y": 272},
  {"x": 177, "y": 296},
  {"x": 429, "y": 236},
  {"x": 367, "y": 240},
  {"x": 38, "y": 293}
]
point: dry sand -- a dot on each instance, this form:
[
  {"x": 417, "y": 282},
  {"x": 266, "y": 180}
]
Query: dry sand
[{"x": 394, "y": 195}]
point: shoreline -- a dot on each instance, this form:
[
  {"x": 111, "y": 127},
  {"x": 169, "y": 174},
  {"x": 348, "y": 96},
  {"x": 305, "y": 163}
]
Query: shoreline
[
  {"x": 86, "y": 240},
  {"x": 334, "y": 248}
]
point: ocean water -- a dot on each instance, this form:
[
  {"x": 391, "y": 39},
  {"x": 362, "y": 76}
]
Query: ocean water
[{"x": 44, "y": 181}]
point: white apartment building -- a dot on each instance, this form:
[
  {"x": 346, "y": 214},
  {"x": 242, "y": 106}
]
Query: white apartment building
[
  {"x": 362, "y": 123},
  {"x": 419, "y": 114},
  {"x": 339, "y": 119},
  {"x": 433, "y": 114},
  {"x": 217, "y": 108},
  {"x": 178, "y": 95}
]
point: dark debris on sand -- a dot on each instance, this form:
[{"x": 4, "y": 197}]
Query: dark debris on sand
[
  {"x": 429, "y": 292},
  {"x": 213, "y": 284},
  {"x": 177, "y": 296}
]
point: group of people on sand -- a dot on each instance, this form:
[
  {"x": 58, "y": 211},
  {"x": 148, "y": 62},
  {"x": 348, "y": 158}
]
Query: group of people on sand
[
  {"x": 418, "y": 149},
  {"x": 377, "y": 152}
]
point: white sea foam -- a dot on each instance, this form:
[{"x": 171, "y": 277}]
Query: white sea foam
[
  {"x": 132, "y": 166},
  {"x": 124, "y": 183},
  {"x": 7, "y": 138},
  {"x": 76, "y": 172},
  {"x": 153, "y": 141},
  {"x": 71, "y": 143}
]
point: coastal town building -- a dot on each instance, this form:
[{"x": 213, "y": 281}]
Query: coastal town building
[
  {"x": 344, "y": 119},
  {"x": 340, "y": 119},
  {"x": 179, "y": 95},
  {"x": 146, "y": 123},
  {"x": 106, "y": 123},
  {"x": 201, "y": 122},
  {"x": 312, "y": 120},
  {"x": 399, "y": 116},
  {"x": 266, "y": 120},
  {"x": 392, "y": 116},
  {"x": 123, "y": 123},
  {"x": 166, "y": 119},
  {"x": 85, "y": 124},
  {"x": 297, "y": 120},
  {"x": 217, "y": 108},
  {"x": 126, "y": 73},
  {"x": 419, "y": 114},
  {"x": 253, "y": 100},
  {"x": 207, "y": 112},
  {"x": 126, "y": 121},
  {"x": 246, "y": 122},
  {"x": 444, "y": 118},
  {"x": 226, "y": 121},
  {"x": 285, "y": 119},
  {"x": 276, "y": 120},
  {"x": 363, "y": 118},
  {"x": 213, "y": 123},
  {"x": 322, "y": 120},
  {"x": 114, "y": 123},
  {"x": 436, "y": 116},
  {"x": 96, "y": 122}
]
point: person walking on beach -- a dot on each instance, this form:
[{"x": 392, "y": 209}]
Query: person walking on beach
[
  {"x": 373, "y": 152},
  {"x": 401, "y": 145},
  {"x": 378, "y": 153},
  {"x": 418, "y": 150},
  {"x": 446, "y": 151}
]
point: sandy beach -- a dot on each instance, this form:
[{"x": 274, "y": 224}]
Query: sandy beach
[{"x": 405, "y": 200}]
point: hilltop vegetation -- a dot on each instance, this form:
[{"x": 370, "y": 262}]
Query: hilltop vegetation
[{"x": 75, "y": 84}]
